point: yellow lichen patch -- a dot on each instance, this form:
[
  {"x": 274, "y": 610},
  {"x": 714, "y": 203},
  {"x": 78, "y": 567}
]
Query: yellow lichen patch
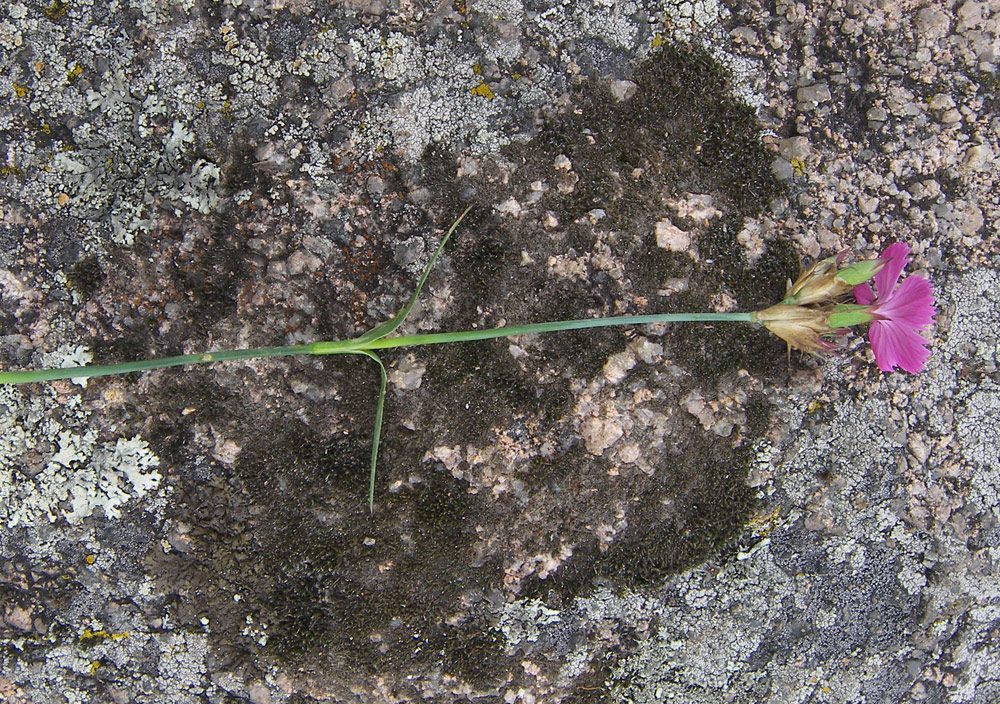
[
  {"x": 19, "y": 90},
  {"x": 10, "y": 171},
  {"x": 477, "y": 69},
  {"x": 95, "y": 665},
  {"x": 90, "y": 558},
  {"x": 764, "y": 523},
  {"x": 484, "y": 91},
  {"x": 101, "y": 635},
  {"x": 56, "y": 10},
  {"x": 799, "y": 166},
  {"x": 74, "y": 72},
  {"x": 657, "y": 40}
]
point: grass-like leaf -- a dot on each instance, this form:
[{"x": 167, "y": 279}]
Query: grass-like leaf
[
  {"x": 377, "y": 434},
  {"x": 390, "y": 326}
]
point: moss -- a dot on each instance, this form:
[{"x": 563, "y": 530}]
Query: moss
[
  {"x": 594, "y": 686},
  {"x": 286, "y": 525},
  {"x": 135, "y": 342},
  {"x": 242, "y": 169},
  {"x": 490, "y": 389},
  {"x": 211, "y": 277},
  {"x": 712, "y": 146},
  {"x": 702, "y": 518},
  {"x": 310, "y": 572},
  {"x": 442, "y": 506},
  {"x": 758, "y": 415},
  {"x": 474, "y": 651},
  {"x": 86, "y": 276}
]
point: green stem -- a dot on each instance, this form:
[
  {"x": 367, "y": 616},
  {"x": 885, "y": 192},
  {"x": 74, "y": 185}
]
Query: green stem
[
  {"x": 361, "y": 346},
  {"x": 147, "y": 364},
  {"x": 555, "y": 326}
]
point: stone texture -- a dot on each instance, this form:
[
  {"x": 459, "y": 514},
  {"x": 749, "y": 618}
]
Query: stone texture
[{"x": 674, "y": 514}]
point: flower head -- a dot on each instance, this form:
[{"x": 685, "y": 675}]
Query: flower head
[{"x": 899, "y": 313}]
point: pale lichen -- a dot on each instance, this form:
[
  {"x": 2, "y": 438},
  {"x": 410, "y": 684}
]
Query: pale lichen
[{"x": 54, "y": 467}]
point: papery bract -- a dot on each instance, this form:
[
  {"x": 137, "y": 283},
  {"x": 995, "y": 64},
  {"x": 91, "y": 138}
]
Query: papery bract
[
  {"x": 801, "y": 327},
  {"x": 899, "y": 312}
]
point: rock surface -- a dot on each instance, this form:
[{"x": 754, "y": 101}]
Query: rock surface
[{"x": 670, "y": 514}]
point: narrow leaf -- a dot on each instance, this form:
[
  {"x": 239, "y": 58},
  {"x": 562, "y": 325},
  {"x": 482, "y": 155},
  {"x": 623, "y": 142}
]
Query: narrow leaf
[
  {"x": 377, "y": 434},
  {"x": 389, "y": 326}
]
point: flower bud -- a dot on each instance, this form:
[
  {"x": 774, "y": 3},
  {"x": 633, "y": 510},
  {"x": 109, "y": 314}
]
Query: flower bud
[
  {"x": 860, "y": 272},
  {"x": 817, "y": 284},
  {"x": 823, "y": 282}
]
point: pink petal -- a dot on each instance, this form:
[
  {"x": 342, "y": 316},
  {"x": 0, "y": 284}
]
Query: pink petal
[
  {"x": 896, "y": 345},
  {"x": 883, "y": 346},
  {"x": 888, "y": 275},
  {"x": 912, "y": 304},
  {"x": 864, "y": 295}
]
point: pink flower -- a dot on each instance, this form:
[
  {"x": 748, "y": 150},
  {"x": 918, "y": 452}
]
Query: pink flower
[{"x": 900, "y": 313}]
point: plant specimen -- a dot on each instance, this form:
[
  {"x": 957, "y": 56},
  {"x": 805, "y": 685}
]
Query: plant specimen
[{"x": 812, "y": 313}]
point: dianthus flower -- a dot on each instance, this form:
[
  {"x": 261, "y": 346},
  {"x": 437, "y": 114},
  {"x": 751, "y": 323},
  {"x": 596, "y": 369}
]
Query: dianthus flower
[{"x": 898, "y": 313}]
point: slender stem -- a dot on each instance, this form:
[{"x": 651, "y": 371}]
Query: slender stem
[
  {"x": 147, "y": 364},
  {"x": 360, "y": 346},
  {"x": 554, "y": 326}
]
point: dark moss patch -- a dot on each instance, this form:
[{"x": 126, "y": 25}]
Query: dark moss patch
[
  {"x": 242, "y": 168},
  {"x": 485, "y": 470},
  {"x": 42, "y": 590},
  {"x": 719, "y": 349},
  {"x": 987, "y": 86},
  {"x": 308, "y": 468},
  {"x": 695, "y": 504},
  {"x": 136, "y": 341},
  {"x": 471, "y": 651},
  {"x": 86, "y": 276},
  {"x": 496, "y": 389},
  {"x": 682, "y": 129},
  {"x": 676, "y": 534},
  {"x": 210, "y": 276},
  {"x": 330, "y": 581},
  {"x": 855, "y": 58},
  {"x": 371, "y": 589},
  {"x": 758, "y": 415}
]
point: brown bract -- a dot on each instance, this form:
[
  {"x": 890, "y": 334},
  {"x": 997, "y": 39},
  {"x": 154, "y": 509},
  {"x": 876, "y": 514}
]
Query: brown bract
[
  {"x": 801, "y": 327},
  {"x": 819, "y": 283}
]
